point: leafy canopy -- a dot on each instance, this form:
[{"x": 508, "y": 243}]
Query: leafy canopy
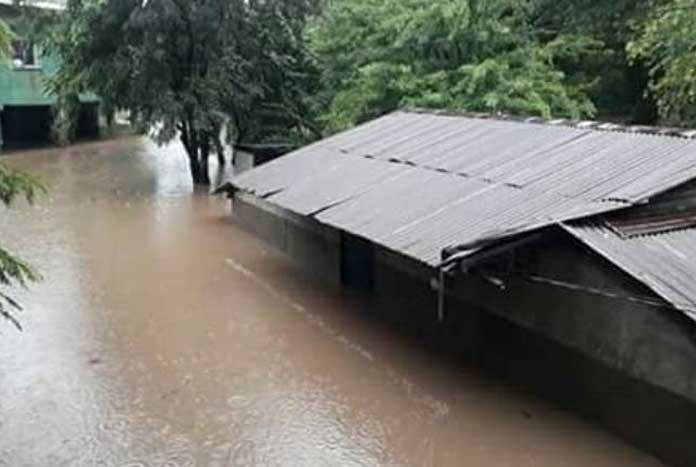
[
  {"x": 13, "y": 271},
  {"x": 189, "y": 67},
  {"x": 5, "y": 39},
  {"x": 667, "y": 42},
  {"x": 377, "y": 55},
  {"x": 618, "y": 86}
]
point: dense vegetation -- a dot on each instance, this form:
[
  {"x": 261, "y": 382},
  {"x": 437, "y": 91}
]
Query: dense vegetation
[
  {"x": 5, "y": 38},
  {"x": 188, "y": 68},
  {"x": 13, "y": 184},
  {"x": 667, "y": 42},
  {"x": 293, "y": 70},
  {"x": 377, "y": 55},
  {"x": 297, "y": 69}
]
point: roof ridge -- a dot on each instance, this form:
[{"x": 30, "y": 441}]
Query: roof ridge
[{"x": 665, "y": 131}]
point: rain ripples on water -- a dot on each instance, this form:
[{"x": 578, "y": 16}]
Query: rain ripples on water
[{"x": 163, "y": 335}]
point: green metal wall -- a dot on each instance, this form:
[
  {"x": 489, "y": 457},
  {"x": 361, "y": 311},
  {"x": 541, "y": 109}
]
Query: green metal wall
[
  {"x": 25, "y": 86},
  {"x": 25, "y": 106}
]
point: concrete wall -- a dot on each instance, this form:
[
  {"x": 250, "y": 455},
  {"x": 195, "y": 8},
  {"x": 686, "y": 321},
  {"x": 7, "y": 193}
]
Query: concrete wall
[
  {"x": 243, "y": 160},
  {"x": 650, "y": 342},
  {"x": 314, "y": 246},
  {"x": 629, "y": 366},
  {"x": 247, "y": 157}
]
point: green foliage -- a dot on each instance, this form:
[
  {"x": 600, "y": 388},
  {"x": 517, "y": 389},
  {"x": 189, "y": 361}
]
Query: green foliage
[
  {"x": 5, "y": 39},
  {"x": 13, "y": 271},
  {"x": 377, "y": 55},
  {"x": 188, "y": 68},
  {"x": 667, "y": 42},
  {"x": 284, "y": 70},
  {"x": 13, "y": 184},
  {"x": 607, "y": 21},
  {"x": 618, "y": 88},
  {"x": 33, "y": 23}
]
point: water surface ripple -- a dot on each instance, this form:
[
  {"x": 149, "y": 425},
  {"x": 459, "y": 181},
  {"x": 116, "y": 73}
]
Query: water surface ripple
[{"x": 165, "y": 336}]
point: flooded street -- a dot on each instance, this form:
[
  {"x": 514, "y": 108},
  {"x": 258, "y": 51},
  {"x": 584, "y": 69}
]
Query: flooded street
[{"x": 163, "y": 335}]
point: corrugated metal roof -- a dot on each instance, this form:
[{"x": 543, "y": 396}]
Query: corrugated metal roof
[
  {"x": 663, "y": 262},
  {"x": 419, "y": 183}
]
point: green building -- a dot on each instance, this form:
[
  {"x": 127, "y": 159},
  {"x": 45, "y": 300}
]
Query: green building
[{"x": 26, "y": 110}]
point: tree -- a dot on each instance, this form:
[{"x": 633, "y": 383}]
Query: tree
[
  {"x": 13, "y": 271},
  {"x": 187, "y": 68},
  {"x": 377, "y": 55},
  {"x": 5, "y": 39},
  {"x": 13, "y": 184},
  {"x": 666, "y": 41},
  {"x": 619, "y": 86}
]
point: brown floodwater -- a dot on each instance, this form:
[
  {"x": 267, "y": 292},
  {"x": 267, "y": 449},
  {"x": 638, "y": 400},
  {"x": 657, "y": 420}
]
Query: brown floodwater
[{"x": 163, "y": 335}]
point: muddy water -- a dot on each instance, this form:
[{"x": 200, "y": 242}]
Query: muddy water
[{"x": 165, "y": 336}]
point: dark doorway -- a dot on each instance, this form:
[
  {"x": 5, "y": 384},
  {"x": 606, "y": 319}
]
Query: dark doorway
[
  {"x": 357, "y": 263},
  {"x": 25, "y": 126},
  {"x": 31, "y": 126},
  {"x": 88, "y": 123}
]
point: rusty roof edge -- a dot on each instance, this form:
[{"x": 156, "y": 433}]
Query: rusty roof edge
[{"x": 674, "y": 132}]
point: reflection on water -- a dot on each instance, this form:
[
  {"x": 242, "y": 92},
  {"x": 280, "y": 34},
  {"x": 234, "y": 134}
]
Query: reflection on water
[{"x": 165, "y": 336}]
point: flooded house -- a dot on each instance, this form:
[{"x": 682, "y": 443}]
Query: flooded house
[
  {"x": 26, "y": 109},
  {"x": 559, "y": 254},
  {"x": 248, "y": 156}
]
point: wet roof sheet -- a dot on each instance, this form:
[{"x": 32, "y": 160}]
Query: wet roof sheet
[
  {"x": 663, "y": 262},
  {"x": 419, "y": 183}
]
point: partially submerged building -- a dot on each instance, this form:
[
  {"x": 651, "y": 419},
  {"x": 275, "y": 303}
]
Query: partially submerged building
[
  {"x": 26, "y": 109},
  {"x": 248, "y": 156},
  {"x": 560, "y": 254}
]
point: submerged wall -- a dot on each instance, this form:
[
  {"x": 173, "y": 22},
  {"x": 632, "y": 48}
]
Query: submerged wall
[
  {"x": 311, "y": 244},
  {"x": 628, "y": 365},
  {"x": 28, "y": 125},
  {"x": 20, "y": 125}
]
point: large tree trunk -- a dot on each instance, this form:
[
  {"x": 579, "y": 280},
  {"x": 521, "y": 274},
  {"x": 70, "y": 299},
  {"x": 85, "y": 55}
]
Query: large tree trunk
[
  {"x": 216, "y": 137},
  {"x": 220, "y": 149},
  {"x": 198, "y": 156},
  {"x": 205, "y": 155},
  {"x": 195, "y": 168}
]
